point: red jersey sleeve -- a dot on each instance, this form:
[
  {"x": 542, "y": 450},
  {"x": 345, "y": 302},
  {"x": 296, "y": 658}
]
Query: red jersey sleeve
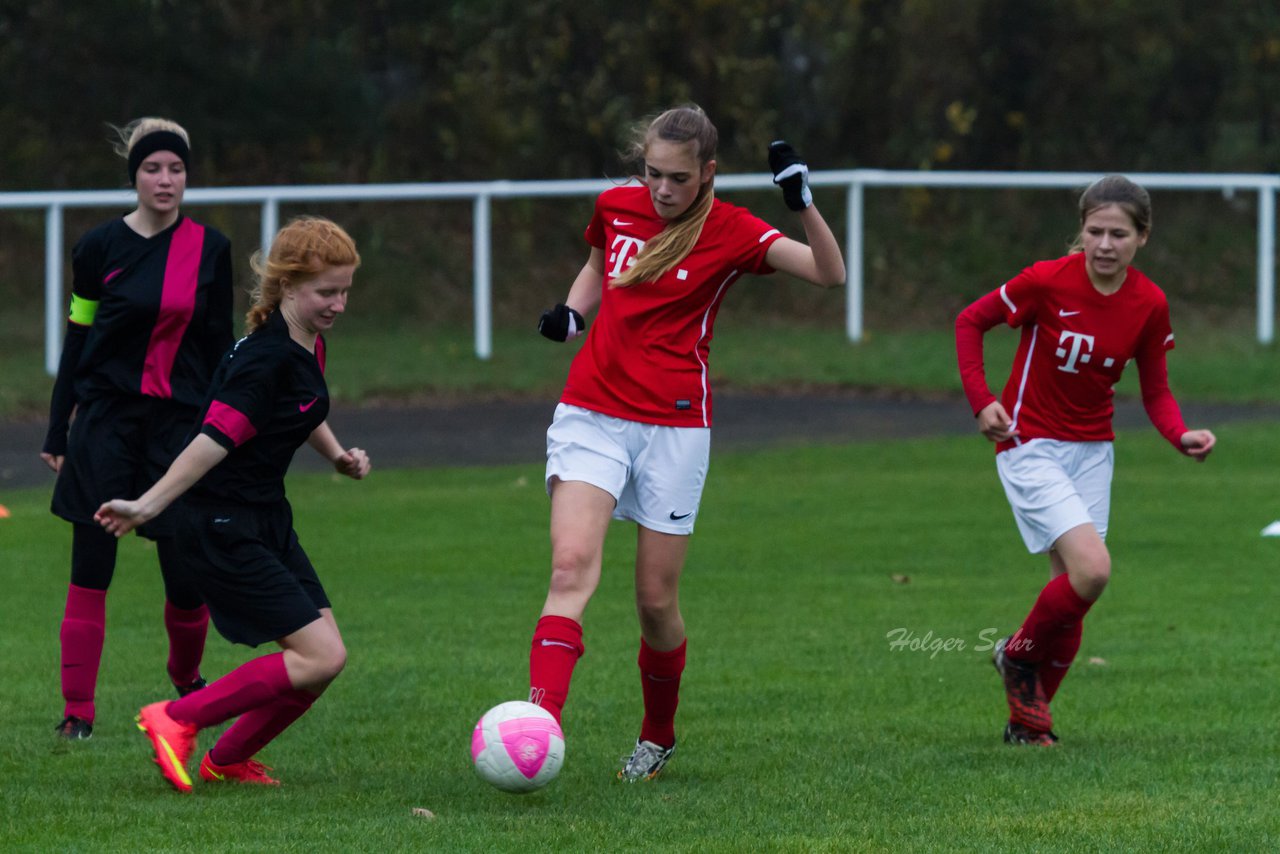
[
  {"x": 1153, "y": 377},
  {"x": 1012, "y": 303},
  {"x": 971, "y": 325},
  {"x": 756, "y": 236},
  {"x": 595, "y": 229}
]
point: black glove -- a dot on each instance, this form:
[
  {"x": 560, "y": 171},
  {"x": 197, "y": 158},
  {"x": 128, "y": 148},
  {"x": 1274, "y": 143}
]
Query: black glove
[
  {"x": 791, "y": 174},
  {"x": 561, "y": 323}
]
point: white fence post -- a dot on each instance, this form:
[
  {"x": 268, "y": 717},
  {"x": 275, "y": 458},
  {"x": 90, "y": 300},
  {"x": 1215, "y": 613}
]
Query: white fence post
[
  {"x": 854, "y": 264},
  {"x": 270, "y": 223},
  {"x": 1266, "y": 264},
  {"x": 54, "y": 310},
  {"x": 481, "y": 284}
]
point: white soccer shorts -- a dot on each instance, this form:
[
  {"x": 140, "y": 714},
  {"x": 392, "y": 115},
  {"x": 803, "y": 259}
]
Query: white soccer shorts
[
  {"x": 655, "y": 473},
  {"x": 1054, "y": 486}
]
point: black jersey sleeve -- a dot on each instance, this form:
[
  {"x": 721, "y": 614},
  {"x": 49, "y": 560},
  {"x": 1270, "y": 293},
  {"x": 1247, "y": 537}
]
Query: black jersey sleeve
[
  {"x": 243, "y": 394},
  {"x": 86, "y": 267},
  {"x": 86, "y": 290},
  {"x": 63, "y": 400}
]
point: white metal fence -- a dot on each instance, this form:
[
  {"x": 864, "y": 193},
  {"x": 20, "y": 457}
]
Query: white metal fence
[{"x": 481, "y": 194}]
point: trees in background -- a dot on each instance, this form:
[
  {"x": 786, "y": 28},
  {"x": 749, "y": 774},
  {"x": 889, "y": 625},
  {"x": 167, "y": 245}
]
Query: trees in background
[{"x": 402, "y": 90}]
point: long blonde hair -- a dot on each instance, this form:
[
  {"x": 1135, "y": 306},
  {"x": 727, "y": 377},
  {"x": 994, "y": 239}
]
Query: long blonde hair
[
  {"x": 303, "y": 249},
  {"x": 687, "y": 123}
]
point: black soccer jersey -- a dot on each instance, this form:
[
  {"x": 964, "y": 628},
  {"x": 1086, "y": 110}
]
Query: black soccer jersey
[
  {"x": 163, "y": 313},
  {"x": 268, "y": 395}
]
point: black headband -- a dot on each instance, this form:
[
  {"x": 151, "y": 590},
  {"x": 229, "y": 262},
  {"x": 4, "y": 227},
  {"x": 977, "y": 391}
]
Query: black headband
[{"x": 157, "y": 140}]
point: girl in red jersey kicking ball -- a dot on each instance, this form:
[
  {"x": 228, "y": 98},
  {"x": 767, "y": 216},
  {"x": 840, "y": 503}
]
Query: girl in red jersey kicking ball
[
  {"x": 1083, "y": 317},
  {"x": 631, "y": 435}
]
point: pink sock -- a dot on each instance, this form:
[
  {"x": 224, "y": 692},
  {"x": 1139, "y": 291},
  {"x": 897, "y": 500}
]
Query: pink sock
[
  {"x": 557, "y": 646},
  {"x": 187, "y": 631},
  {"x": 660, "y": 682},
  {"x": 84, "y": 625},
  {"x": 251, "y": 685},
  {"x": 1057, "y": 608},
  {"x": 256, "y": 727}
]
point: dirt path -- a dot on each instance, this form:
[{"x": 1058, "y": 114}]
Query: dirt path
[{"x": 495, "y": 432}]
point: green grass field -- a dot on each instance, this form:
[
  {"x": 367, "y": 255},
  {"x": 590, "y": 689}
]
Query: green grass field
[{"x": 802, "y": 728}]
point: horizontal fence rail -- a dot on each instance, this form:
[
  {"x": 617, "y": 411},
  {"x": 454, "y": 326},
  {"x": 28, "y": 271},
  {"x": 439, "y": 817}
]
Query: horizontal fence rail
[{"x": 481, "y": 194}]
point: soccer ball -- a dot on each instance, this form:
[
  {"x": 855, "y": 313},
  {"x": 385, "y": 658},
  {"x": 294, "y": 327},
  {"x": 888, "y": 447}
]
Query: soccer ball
[{"x": 517, "y": 747}]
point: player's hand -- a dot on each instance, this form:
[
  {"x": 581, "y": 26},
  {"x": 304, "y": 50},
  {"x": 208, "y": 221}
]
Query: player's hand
[
  {"x": 53, "y": 461},
  {"x": 561, "y": 323},
  {"x": 791, "y": 174},
  {"x": 995, "y": 423},
  {"x": 1197, "y": 444},
  {"x": 354, "y": 463},
  {"x": 120, "y": 517}
]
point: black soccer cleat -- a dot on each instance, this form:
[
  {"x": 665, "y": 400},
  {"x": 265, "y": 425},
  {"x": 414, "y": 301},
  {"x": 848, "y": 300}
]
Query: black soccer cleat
[
  {"x": 1021, "y": 735},
  {"x": 184, "y": 690},
  {"x": 74, "y": 729},
  {"x": 1028, "y": 705}
]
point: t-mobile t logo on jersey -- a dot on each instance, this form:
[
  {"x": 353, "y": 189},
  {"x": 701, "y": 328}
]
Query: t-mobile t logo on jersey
[
  {"x": 623, "y": 253},
  {"x": 1069, "y": 346}
]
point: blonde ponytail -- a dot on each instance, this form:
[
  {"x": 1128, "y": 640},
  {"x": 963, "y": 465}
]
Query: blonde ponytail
[{"x": 673, "y": 244}]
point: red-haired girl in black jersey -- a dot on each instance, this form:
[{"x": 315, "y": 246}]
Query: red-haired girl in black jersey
[
  {"x": 1083, "y": 317},
  {"x": 150, "y": 317},
  {"x": 631, "y": 435},
  {"x": 268, "y": 397}
]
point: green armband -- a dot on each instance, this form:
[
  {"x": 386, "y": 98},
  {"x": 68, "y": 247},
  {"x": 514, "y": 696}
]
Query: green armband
[{"x": 82, "y": 310}]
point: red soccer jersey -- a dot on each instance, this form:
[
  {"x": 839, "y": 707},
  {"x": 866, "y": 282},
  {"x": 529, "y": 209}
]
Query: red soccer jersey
[
  {"x": 1075, "y": 344},
  {"x": 646, "y": 355}
]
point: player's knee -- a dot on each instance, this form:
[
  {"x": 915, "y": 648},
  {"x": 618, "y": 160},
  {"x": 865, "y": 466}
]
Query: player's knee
[
  {"x": 327, "y": 665},
  {"x": 1091, "y": 574},
  {"x": 656, "y": 608},
  {"x": 571, "y": 571}
]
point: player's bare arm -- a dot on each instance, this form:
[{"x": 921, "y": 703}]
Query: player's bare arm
[{"x": 120, "y": 517}]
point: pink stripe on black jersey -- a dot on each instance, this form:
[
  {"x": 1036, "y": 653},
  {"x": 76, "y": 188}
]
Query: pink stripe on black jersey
[
  {"x": 320, "y": 352},
  {"x": 177, "y": 305},
  {"x": 230, "y": 422}
]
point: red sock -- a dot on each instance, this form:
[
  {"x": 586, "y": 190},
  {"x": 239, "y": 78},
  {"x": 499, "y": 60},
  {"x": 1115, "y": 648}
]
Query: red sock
[
  {"x": 84, "y": 626},
  {"x": 1058, "y": 657},
  {"x": 1056, "y": 609},
  {"x": 251, "y": 685},
  {"x": 187, "y": 631},
  {"x": 256, "y": 727},
  {"x": 660, "y": 682},
  {"x": 557, "y": 646}
]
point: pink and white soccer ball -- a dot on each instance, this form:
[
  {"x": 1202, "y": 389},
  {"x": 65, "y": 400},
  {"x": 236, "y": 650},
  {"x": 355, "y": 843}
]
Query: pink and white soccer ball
[{"x": 517, "y": 747}]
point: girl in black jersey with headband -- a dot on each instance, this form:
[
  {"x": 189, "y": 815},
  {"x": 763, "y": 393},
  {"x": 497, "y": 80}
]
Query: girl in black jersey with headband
[
  {"x": 268, "y": 398},
  {"x": 150, "y": 316}
]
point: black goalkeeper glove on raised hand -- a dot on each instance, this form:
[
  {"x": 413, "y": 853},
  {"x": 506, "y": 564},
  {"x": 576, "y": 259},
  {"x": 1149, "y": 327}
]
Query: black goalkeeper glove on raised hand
[
  {"x": 791, "y": 174},
  {"x": 561, "y": 323}
]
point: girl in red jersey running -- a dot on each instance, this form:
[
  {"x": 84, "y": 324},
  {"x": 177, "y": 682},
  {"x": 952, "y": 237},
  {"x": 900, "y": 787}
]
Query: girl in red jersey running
[
  {"x": 150, "y": 317},
  {"x": 1083, "y": 317},
  {"x": 267, "y": 398},
  {"x": 631, "y": 435}
]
